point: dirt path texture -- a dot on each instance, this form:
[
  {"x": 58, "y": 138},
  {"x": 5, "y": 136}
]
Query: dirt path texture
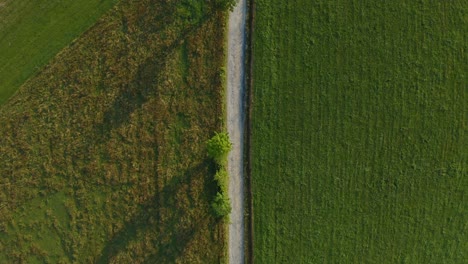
[{"x": 235, "y": 104}]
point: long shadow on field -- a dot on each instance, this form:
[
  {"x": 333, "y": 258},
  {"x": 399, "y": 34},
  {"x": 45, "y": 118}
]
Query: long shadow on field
[
  {"x": 145, "y": 83},
  {"x": 159, "y": 220}
]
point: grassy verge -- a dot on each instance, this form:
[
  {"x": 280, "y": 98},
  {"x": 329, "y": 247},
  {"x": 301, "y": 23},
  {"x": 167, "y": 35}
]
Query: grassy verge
[
  {"x": 103, "y": 153},
  {"x": 32, "y": 32},
  {"x": 249, "y": 62},
  {"x": 359, "y": 134}
]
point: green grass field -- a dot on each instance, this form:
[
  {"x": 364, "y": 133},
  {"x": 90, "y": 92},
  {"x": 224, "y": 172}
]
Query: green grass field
[
  {"x": 32, "y": 32},
  {"x": 103, "y": 153},
  {"x": 360, "y": 142}
]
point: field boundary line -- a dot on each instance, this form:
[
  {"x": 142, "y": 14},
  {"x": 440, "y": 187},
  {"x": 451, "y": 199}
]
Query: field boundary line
[{"x": 248, "y": 133}]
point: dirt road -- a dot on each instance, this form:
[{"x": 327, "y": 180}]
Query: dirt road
[{"x": 236, "y": 116}]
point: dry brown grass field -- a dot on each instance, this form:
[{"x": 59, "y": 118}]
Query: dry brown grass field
[{"x": 103, "y": 154}]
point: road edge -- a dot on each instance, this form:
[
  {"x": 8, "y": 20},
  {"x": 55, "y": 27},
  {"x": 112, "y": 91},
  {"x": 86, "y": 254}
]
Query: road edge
[{"x": 249, "y": 215}]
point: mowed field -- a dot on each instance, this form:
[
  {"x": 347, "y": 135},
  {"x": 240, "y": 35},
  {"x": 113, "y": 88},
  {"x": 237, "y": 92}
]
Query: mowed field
[
  {"x": 103, "y": 153},
  {"x": 32, "y": 32},
  {"x": 360, "y": 140}
]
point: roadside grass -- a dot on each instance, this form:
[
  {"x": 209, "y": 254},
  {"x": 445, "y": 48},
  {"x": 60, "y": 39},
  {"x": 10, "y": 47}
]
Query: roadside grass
[
  {"x": 103, "y": 153},
  {"x": 360, "y": 142},
  {"x": 33, "y": 32}
]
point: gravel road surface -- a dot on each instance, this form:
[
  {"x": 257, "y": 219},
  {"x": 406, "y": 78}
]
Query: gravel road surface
[{"x": 236, "y": 116}]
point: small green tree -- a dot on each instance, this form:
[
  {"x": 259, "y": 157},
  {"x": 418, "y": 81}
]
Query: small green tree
[
  {"x": 218, "y": 147},
  {"x": 221, "y": 177},
  {"x": 221, "y": 205},
  {"x": 225, "y": 5}
]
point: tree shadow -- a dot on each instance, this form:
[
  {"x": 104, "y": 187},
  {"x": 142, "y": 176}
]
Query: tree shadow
[
  {"x": 169, "y": 241},
  {"x": 158, "y": 217},
  {"x": 148, "y": 77}
]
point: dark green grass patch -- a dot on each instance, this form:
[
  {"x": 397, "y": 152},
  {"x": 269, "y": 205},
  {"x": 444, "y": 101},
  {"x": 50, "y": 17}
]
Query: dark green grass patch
[
  {"x": 32, "y": 32},
  {"x": 103, "y": 153},
  {"x": 360, "y": 140}
]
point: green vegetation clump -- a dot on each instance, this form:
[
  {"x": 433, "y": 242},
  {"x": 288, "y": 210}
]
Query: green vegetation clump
[
  {"x": 103, "y": 153},
  {"x": 218, "y": 147},
  {"x": 359, "y": 132},
  {"x": 221, "y": 205},
  {"x": 222, "y": 178},
  {"x": 226, "y": 5}
]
